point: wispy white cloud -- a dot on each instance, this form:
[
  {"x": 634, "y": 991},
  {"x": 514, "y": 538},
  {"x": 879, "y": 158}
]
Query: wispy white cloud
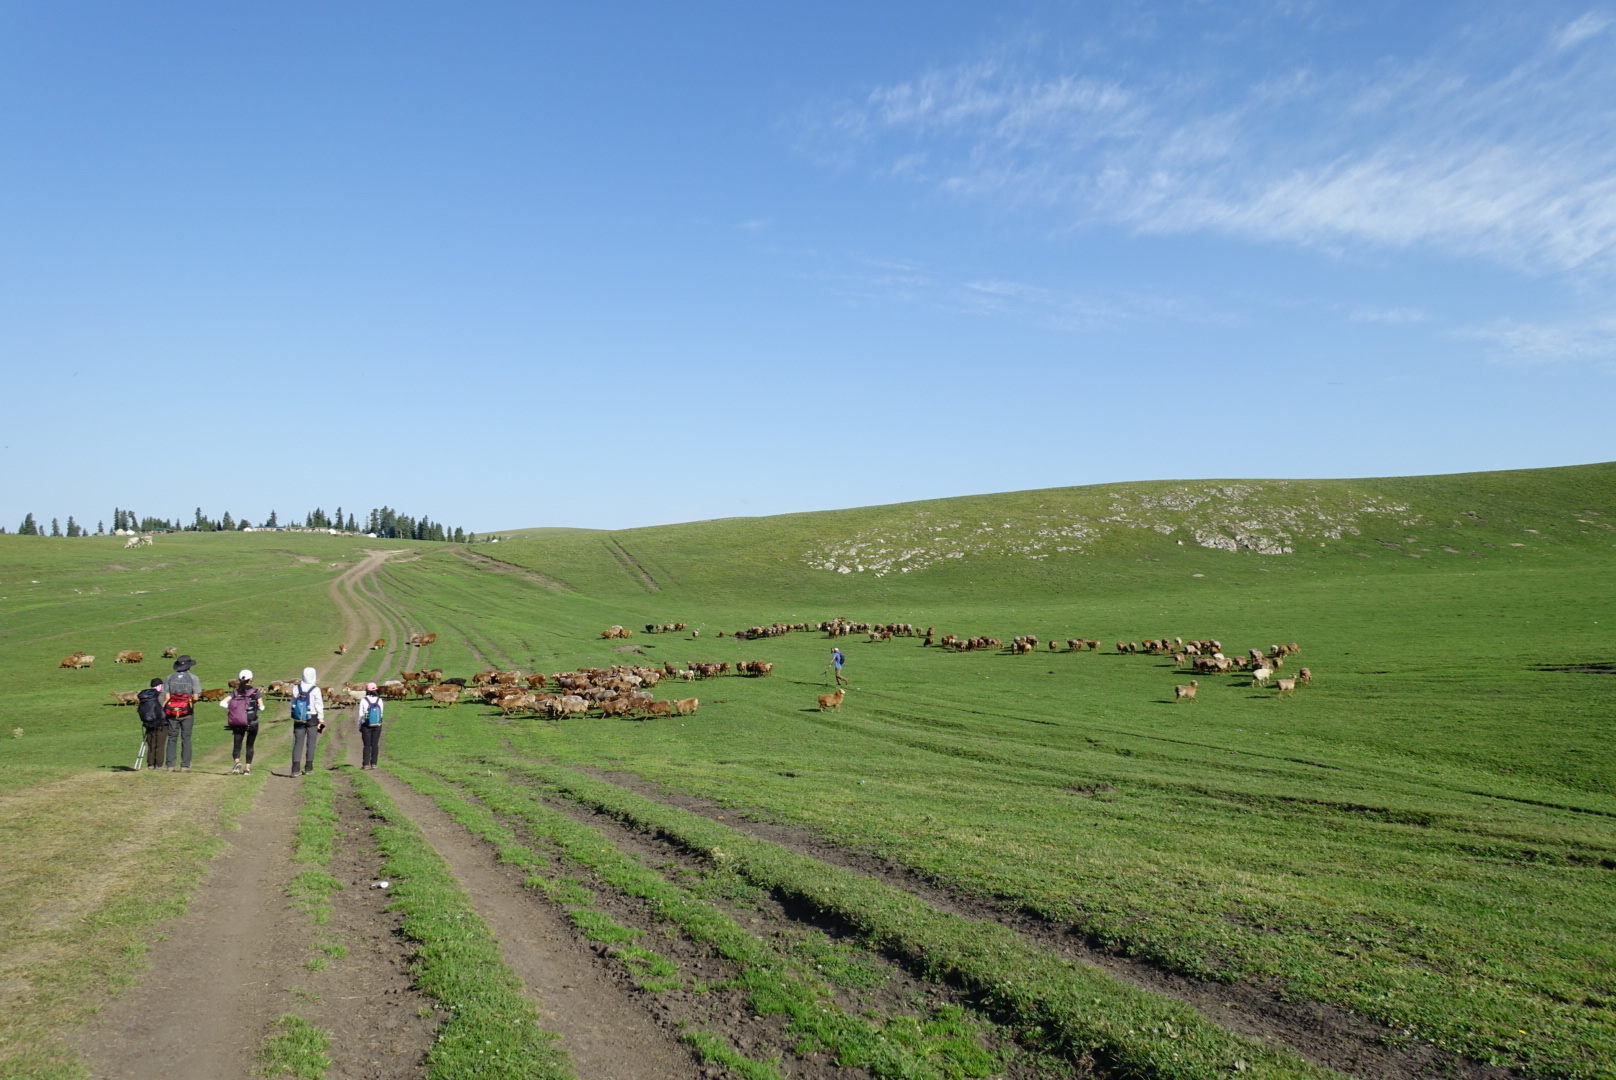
[
  {"x": 1581, "y": 29},
  {"x": 1510, "y": 156},
  {"x": 888, "y": 281},
  {"x": 1399, "y": 316},
  {"x": 1592, "y": 339}
]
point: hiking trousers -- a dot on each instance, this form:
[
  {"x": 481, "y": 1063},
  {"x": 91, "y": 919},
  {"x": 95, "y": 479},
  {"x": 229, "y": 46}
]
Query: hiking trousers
[
  {"x": 250, "y": 734},
  {"x": 156, "y": 745},
  {"x": 372, "y": 738},
  {"x": 179, "y": 738},
  {"x": 304, "y": 739}
]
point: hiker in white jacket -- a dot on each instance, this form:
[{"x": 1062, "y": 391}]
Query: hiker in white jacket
[{"x": 308, "y": 720}]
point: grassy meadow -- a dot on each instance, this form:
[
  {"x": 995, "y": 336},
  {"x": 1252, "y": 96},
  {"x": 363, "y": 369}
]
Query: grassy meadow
[
  {"x": 93, "y": 856},
  {"x": 1426, "y": 834}
]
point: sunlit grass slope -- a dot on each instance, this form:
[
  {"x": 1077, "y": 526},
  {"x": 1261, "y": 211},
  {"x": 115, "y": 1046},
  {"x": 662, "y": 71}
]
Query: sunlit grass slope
[
  {"x": 1427, "y": 834},
  {"x": 230, "y": 600}
]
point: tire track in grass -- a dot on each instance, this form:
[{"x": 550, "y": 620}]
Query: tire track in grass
[
  {"x": 1323, "y": 1033},
  {"x": 605, "y": 1034},
  {"x": 493, "y": 1031},
  {"x": 1083, "y": 1011},
  {"x": 214, "y": 978},
  {"x": 940, "y": 1046}
]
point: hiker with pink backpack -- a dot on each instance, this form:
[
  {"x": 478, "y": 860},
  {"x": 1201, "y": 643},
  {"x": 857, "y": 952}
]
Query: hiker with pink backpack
[{"x": 241, "y": 719}]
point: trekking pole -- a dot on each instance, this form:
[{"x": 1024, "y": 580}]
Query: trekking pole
[{"x": 140, "y": 757}]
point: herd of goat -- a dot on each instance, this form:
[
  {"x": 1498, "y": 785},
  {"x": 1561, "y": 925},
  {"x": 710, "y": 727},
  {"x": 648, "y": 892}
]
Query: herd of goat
[{"x": 625, "y": 690}]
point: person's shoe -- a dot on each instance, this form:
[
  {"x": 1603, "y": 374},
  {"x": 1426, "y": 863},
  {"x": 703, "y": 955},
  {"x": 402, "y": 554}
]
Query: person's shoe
[
  {"x": 235, "y": 770},
  {"x": 246, "y": 770},
  {"x": 308, "y": 767},
  {"x": 294, "y": 770},
  {"x": 185, "y": 768}
]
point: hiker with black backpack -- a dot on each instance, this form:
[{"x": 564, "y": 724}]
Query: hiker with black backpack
[
  {"x": 308, "y": 721},
  {"x": 150, "y": 704},
  {"x": 180, "y": 693},
  {"x": 241, "y": 719},
  {"x": 370, "y": 726}
]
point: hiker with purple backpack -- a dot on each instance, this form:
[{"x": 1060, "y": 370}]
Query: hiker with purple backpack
[{"x": 241, "y": 719}]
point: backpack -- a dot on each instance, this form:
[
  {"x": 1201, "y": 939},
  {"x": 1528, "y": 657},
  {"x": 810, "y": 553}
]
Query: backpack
[
  {"x": 373, "y": 712},
  {"x": 300, "y": 704},
  {"x": 178, "y": 706},
  {"x": 150, "y": 704},
  {"x": 241, "y": 708}
]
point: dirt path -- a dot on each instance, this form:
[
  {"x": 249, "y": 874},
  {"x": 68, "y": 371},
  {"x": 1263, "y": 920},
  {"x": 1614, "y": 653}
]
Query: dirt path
[
  {"x": 226, "y": 968},
  {"x": 607, "y": 1034}
]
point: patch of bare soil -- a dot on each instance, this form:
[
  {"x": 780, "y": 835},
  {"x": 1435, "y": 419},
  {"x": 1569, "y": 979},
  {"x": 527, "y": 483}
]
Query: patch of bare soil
[
  {"x": 219, "y": 977},
  {"x": 608, "y": 1034},
  {"x": 381, "y": 1026},
  {"x": 791, "y": 929},
  {"x": 1323, "y": 1034}
]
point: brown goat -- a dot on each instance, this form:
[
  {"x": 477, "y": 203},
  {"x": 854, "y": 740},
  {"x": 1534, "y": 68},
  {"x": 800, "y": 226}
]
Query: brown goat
[
  {"x": 1185, "y": 693},
  {"x": 831, "y": 701}
]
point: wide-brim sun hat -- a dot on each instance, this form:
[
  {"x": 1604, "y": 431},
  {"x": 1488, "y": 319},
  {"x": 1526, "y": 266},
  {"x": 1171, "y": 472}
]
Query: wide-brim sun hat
[{"x": 184, "y": 663}]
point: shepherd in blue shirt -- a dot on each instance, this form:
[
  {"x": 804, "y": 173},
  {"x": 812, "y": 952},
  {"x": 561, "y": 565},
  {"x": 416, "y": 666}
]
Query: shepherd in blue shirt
[{"x": 836, "y": 660}]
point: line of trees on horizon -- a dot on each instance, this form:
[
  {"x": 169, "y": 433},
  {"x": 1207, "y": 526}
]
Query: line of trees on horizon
[{"x": 383, "y": 522}]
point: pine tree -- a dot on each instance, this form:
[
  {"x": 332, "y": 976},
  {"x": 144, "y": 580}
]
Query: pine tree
[
  {"x": 271, "y": 524},
  {"x": 72, "y": 526},
  {"x": 100, "y": 528},
  {"x": 228, "y": 523},
  {"x": 459, "y": 537},
  {"x": 28, "y": 528},
  {"x": 56, "y": 526}
]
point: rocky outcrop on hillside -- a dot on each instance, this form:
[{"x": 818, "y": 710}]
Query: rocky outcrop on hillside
[{"x": 1269, "y": 518}]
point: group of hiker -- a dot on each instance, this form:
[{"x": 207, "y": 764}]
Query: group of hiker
[{"x": 168, "y": 713}]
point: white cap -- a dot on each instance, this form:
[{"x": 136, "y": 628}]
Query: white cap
[
  {"x": 244, "y": 675},
  {"x": 308, "y": 675}
]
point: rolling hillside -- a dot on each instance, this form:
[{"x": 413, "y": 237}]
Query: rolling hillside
[{"x": 1403, "y": 870}]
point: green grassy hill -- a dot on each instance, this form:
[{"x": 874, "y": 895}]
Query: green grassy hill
[
  {"x": 1426, "y": 835},
  {"x": 1050, "y": 536}
]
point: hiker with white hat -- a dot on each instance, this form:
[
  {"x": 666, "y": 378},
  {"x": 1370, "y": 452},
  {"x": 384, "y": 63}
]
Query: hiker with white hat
[
  {"x": 241, "y": 719},
  {"x": 370, "y": 726},
  {"x": 308, "y": 720},
  {"x": 180, "y": 693}
]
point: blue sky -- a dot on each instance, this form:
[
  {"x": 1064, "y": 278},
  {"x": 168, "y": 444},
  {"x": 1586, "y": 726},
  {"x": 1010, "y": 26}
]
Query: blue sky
[{"x": 610, "y": 265}]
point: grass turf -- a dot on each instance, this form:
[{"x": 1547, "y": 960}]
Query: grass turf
[
  {"x": 294, "y": 1047},
  {"x": 1424, "y": 835}
]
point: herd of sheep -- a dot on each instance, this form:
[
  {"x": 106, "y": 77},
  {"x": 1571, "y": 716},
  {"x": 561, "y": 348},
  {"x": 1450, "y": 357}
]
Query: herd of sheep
[{"x": 625, "y": 690}]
